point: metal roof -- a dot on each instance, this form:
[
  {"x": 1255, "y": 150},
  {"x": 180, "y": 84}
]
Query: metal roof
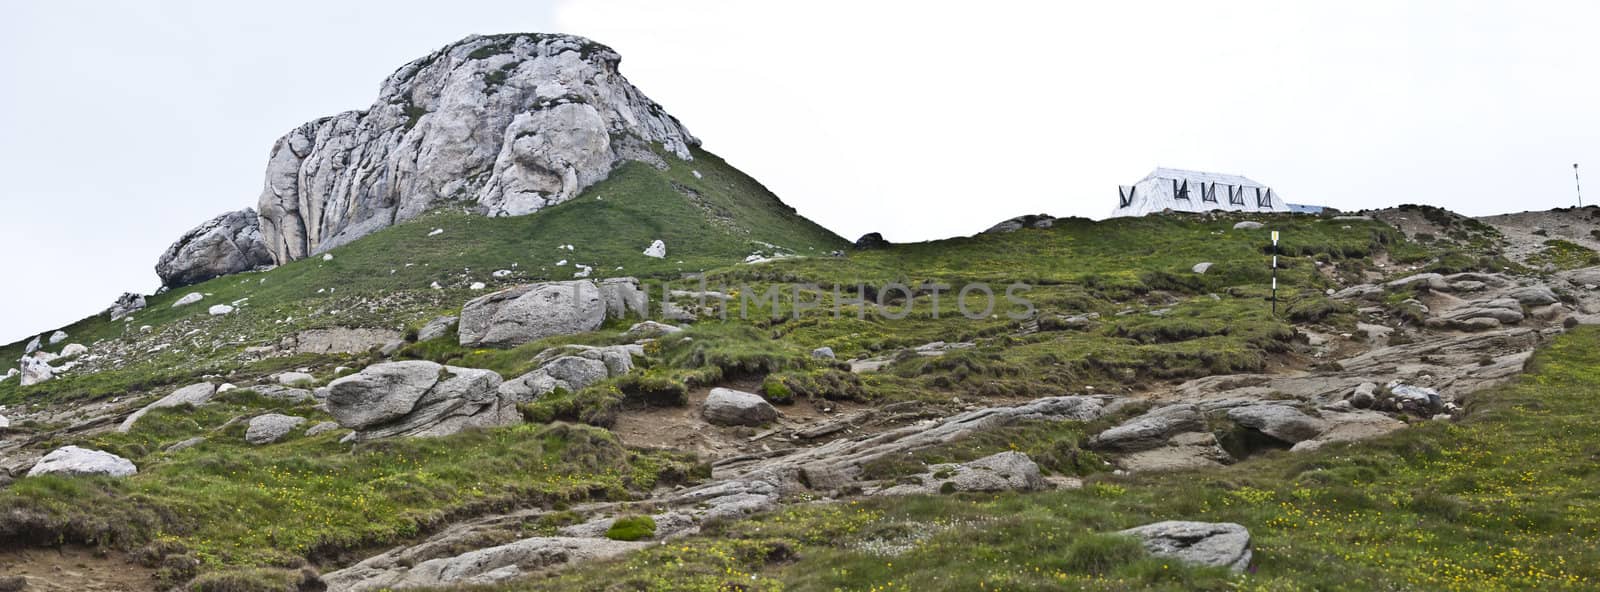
[{"x": 1202, "y": 177}]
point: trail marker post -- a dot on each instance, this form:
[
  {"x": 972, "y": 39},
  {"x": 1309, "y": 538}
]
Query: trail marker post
[{"x": 1274, "y": 273}]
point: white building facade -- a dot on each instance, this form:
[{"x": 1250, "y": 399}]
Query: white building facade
[{"x": 1195, "y": 191}]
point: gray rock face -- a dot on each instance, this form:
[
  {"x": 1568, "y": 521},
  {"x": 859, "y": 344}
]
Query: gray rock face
[
  {"x": 726, "y": 406},
  {"x": 483, "y": 566},
  {"x": 532, "y": 312},
  {"x": 58, "y": 337},
  {"x": 1215, "y": 544},
  {"x": 322, "y": 428},
  {"x": 650, "y": 330},
  {"x": 293, "y": 378},
  {"x": 72, "y": 460},
  {"x": 125, "y": 305},
  {"x": 436, "y": 328},
  {"x": 269, "y": 428},
  {"x": 512, "y": 123},
  {"x": 226, "y": 244},
  {"x": 1152, "y": 429},
  {"x": 571, "y": 373},
  {"x": 194, "y": 394},
  {"x": 35, "y": 371},
  {"x": 417, "y": 398},
  {"x": 1279, "y": 421},
  {"x": 823, "y": 353}
]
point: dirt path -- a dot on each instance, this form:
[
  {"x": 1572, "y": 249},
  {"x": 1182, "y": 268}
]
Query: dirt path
[{"x": 76, "y": 569}]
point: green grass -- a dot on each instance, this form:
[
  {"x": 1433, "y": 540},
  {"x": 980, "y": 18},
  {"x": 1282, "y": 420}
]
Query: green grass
[
  {"x": 1503, "y": 500},
  {"x": 1563, "y": 254}
]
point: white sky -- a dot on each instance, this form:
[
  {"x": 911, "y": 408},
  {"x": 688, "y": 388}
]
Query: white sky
[{"x": 122, "y": 125}]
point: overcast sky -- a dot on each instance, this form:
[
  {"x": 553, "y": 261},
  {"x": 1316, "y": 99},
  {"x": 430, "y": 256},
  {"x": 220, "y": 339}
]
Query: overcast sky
[{"x": 122, "y": 125}]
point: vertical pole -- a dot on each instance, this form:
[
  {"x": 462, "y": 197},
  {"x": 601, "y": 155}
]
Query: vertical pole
[
  {"x": 1578, "y": 183},
  {"x": 1274, "y": 273}
]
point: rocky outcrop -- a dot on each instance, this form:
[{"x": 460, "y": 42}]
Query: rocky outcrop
[
  {"x": 1021, "y": 222},
  {"x": 194, "y": 394},
  {"x": 1211, "y": 544},
  {"x": 436, "y": 328},
  {"x": 571, "y": 368},
  {"x": 226, "y": 244},
  {"x": 399, "y": 569},
  {"x": 72, "y": 460},
  {"x": 341, "y": 340},
  {"x": 35, "y": 371},
  {"x": 871, "y": 240},
  {"x": 725, "y": 406},
  {"x": 418, "y": 398},
  {"x": 510, "y": 123},
  {"x": 1006, "y": 471},
  {"x": 532, "y": 312},
  {"x": 1281, "y": 422}
]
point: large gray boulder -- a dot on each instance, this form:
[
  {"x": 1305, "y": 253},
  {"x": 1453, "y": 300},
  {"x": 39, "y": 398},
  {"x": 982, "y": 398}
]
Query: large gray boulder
[
  {"x": 1212, "y": 544},
  {"x": 269, "y": 428},
  {"x": 436, "y": 328},
  {"x": 418, "y": 398},
  {"x": 72, "y": 460},
  {"x": 571, "y": 368},
  {"x": 1282, "y": 422},
  {"x": 1151, "y": 430},
  {"x": 226, "y": 244},
  {"x": 398, "y": 570},
  {"x": 194, "y": 394},
  {"x": 126, "y": 304},
  {"x": 342, "y": 340},
  {"x": 531, "y": 312},
  {"x": 725, "y": 406},
  {"x": 515, "y": 123}
]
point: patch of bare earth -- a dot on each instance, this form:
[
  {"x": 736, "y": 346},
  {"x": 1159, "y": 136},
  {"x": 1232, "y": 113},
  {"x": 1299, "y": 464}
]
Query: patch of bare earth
[{"x": 76, "y": 569}]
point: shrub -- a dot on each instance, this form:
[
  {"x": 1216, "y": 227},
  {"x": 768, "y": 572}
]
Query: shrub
[{"x": 632, "y": 528}]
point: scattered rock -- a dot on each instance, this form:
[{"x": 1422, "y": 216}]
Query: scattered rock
[
  {"x": 73, "y": 349},
  {"x": 194, "y": 394},
  {"x": 58, "y": 337},
  {"x": 657, "y": 249},
  {"x": 186, "y": 444},
  {"x": 824, "y": 353},
  {"x": 322, "y": 428},
  {"x": 1247, "y": 225},
  {"x": 219, "y": 309},
  {"x": 269, "y": 428},
  {"x": 1006, "y": 471},
  {"x": 282, "y": 393},
  {"x": 726, "y": 406},
  {"x": 188, "y": 299},
  {"x": 1201, "y": 267},
  {"x": 572, "y": 368},
  {"x": 1212, "y": 544},
  {"x": 418, "y": 398},
  {"x": 293, "y": 378},
  {"x": 72, "y": 460}
]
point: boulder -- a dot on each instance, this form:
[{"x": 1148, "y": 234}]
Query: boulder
[
  {"x": 1247, "y": 225},
  {"x": 823, "y": 353},
  {"x": 293, "y": 378},
  {"x": 1531, "y": 295},
  {"x": 281, "y": 393},
  {"x": 322, "y": 428},
  {"x": 32, "y": 346},
  {"x": 1020, "y": 222},
  {"x": 419, "y": 399},
  {"x": 1201, "y": 267},
  {"x": 227, "y": 244},
  {"x": 72, "y": 460},
  {"x": 571, "y": 368},
  {"x": 73, "y": 349},
  {"x": 125, "y": 305},
  {"x": 1364, "y": 396},
  {"x": 623, "y": 297},
  {"x": 518, "y": 559},
  {"x": 649, "y": 330},
  {"x": 35, "y": 371},
  {"x": 4, "y": 423},
  {"x": 186, "y": 444},
  {"x": 58, "y": 337},
  {"x": 726, "y": 406},
  {"x": 532, "y": 312},
  {"x": 436, "y": 328},
  {"x": 269, "y": 428},
  {"x": 343, "y": 340},
  {"x": 1211, "y": 544},
  {"x": 188, "y": 299},
  {"x": 657, "y": 249},
  {"x": 218, "y": 310},
  {"x": 194, "y": 394},
  {"x": 1152, "y": 429},
  {"x": 871, "y": 240},
  {"x": 1279, "y": 421}
]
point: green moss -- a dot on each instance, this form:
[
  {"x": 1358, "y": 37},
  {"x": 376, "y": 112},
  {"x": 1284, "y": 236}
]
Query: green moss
[{"x": 631, "y": 528}]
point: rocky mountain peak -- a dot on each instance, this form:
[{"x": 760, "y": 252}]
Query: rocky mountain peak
[{"x": 504, "y": 124}]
